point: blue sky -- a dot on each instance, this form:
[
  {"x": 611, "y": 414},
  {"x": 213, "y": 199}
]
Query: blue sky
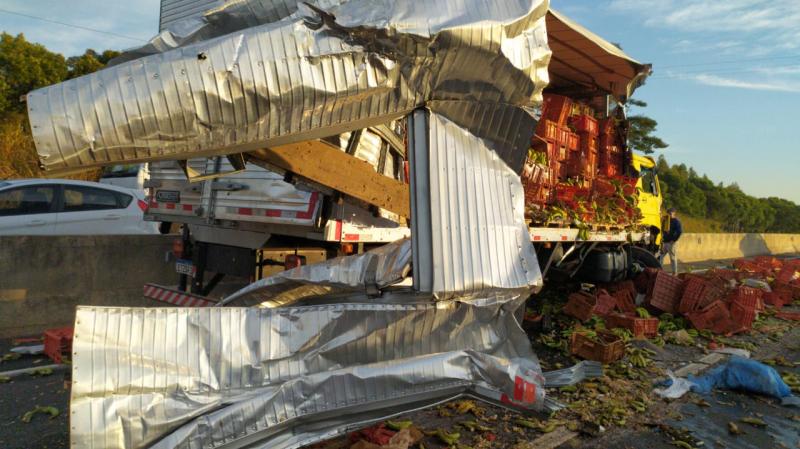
[{"x": 725, "y": 88}]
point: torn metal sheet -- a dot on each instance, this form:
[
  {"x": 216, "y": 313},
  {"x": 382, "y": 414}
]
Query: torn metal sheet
[
  {"x": 569, "y": 376},
  {"x": 366, "y": 273},
  {"x": 316, "y": 73},
  {"x": 204, "y": 377},
  {"x": 468, "y": 213}
]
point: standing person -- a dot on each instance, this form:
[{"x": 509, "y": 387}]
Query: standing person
[{"x": 671, "y": 239}]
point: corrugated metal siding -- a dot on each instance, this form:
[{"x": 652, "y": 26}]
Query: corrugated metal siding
[
  {"x": 285, "y": 82},
  {"x": 478, "y": 234},
  {"x": 175, "y": 10},
  {"x": 139, "y": 373}
]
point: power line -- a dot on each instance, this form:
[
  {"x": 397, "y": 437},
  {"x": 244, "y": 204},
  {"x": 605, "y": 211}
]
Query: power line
[
  {"x": 110, "y": 33},
  {"x": 735, "y": 61},
  {"x": 729, "y": 70}
]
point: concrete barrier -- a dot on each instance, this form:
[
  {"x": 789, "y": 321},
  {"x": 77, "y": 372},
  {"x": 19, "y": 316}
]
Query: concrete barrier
[
  {"x": 42, "y": 279},
  {"x": 704, "y": 247}
]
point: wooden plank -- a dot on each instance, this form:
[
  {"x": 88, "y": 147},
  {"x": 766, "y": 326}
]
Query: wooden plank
[{"x": 325, "y": 164}]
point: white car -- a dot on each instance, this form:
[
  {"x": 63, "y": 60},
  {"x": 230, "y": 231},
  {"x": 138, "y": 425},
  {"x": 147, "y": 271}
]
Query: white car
[{"x": 66, "y": 207}]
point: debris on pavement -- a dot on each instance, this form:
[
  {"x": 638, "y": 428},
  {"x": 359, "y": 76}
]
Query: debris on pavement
[
  {"x": 45, "y": 410},
  {"x": 29, "y": 350}
]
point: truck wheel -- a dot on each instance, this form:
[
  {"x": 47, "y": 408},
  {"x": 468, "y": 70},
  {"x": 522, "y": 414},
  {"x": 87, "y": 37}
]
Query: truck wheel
[
  {"x": 641, "y": 259},
  {"x": 164, "y": 227}
]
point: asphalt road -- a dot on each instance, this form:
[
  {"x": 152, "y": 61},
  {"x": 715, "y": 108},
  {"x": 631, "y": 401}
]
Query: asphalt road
[
  {"x": 23, "y": 394},
  {"x": 707, "y": 424}
]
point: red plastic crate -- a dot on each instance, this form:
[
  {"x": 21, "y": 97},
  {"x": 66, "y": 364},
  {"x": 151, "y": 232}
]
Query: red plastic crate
[
  {"x": 535, "y": 193},
  {"x": 626, "y": 301},
  {"x": 556, "y": 108},
  {"x": 778, "y": 298},
  {"x": 606, "y": 125},
  {"x": 605, "y": 303},
  {"x": 580, "y": 167},
  {"x": 785, "y": 275},
  {"x": 745, "y": 296},
  {"x": 572, "y": 141},
  {"x": 566, "y": 192},
  {"x": 609, "y": 348},
  {"x": 640, "y": 327},
  {"x": 645, "y": 281},
  {"x": 743, "y": 316},
  {"x": 692, "y": 295},
  {"x": 604, "y": 187},
  {"x": 588, "y": 143},
  {"x": 582, "y": 305},
  {"x": 788, "y": 315},
  {"x": 58, "y": 342},
  {"x": 667, "y": 292},
  {"x": 714, "y": 317},
  {"x": 585, "y": 124},
  {"x": 547, "y": 129}
]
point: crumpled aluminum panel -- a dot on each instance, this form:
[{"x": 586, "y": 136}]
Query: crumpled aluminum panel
[
  {"x": 184, "y": 377},
  {"x": 468, "y": 213},
  {"x": 313, "y": 74},
  {"x": 363, "y": 273}
]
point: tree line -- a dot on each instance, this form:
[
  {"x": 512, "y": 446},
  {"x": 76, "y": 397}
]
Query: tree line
[
  {"x": 731, "y": 209},
  {"x": 25, "y": 66}
]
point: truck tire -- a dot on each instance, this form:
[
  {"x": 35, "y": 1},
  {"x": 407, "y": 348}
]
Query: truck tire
[{"x": 642, "y": 258}]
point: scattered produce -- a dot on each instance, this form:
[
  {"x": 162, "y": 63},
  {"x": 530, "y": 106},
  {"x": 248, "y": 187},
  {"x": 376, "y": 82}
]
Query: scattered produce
[{"x": 52, "y": 411}]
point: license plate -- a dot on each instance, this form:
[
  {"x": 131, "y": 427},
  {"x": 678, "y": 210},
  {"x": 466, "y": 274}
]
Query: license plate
[
  {"x": 183, "y": 266},
  {"x": 168, "y": 196}
]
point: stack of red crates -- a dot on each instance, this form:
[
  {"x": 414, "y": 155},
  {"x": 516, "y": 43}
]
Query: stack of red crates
[
  {"x": 583, "y": 162},
  {"x": 611, "y": 159},
  {"x": 554, "y": 136},
  {"x": 576, "y": 145}
]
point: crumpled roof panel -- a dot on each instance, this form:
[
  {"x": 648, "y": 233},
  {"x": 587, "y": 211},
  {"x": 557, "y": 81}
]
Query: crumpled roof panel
[{"x": 584, "y": 62}]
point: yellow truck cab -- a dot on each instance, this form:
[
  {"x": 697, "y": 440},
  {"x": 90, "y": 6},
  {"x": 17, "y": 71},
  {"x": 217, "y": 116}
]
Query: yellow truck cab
[{"x": 649, "y": 192}]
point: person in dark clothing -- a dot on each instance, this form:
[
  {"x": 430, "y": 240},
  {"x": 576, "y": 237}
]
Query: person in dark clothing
[{"x": 671, "y": 237}]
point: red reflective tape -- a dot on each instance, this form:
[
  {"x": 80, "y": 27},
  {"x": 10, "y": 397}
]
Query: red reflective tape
[
  {"x": 245, "y": 211},
  {"x": 338, "y": 234},
  {"x": 519, "y": 388},
  {"x": 187, "y": 207},
  {"x": 303, "y": 215},
  {"x": 153, "y": 205},
  {"x": 505, "y": 399},
  {"x": 530, "y": 392},
  {"x": 170, "y": 205},
  {"x": 180, "y": 299},
  {"x": 351, "y": 237},
  {"x": 272, "y": 213},
  {"x": 537, "y": 237},
  {"x": 563, "y": 237}
]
